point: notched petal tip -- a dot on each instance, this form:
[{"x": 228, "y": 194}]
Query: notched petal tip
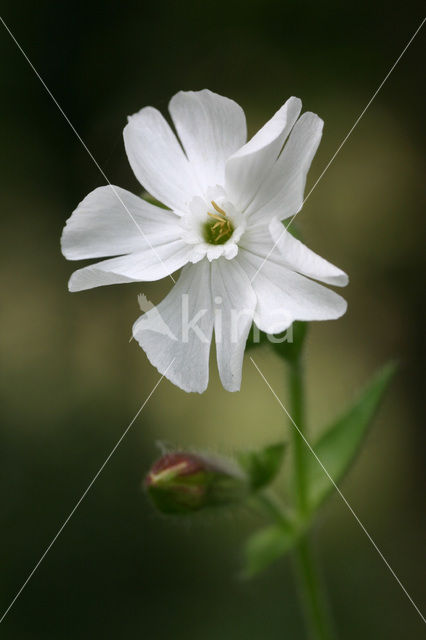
[
  {"x": 232, "y": 387},
  {"x": 312, "y": 119},
  {"x": 72, "y": 284},
  {"x": 66, "y": 252},
  {"x": 341, "y": 307},
  {"x": 297, "y": 102},
  {"x": 172, "y": 374},
  {"x": 342, "y": 280},
  {"x": 145, "y": 110},
  {"x": 303, "y": 260}
]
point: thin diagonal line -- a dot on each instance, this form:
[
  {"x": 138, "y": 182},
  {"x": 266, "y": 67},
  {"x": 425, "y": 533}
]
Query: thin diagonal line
[
  {"x": 342, "y": 143},
  {"x": 84, "y": 494},
  {"x": 117, "y": 195},
  {"x": 339, "y": 492}
]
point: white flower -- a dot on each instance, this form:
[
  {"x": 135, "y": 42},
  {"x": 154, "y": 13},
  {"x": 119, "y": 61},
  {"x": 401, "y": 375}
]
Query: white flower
[{"x": 226, "y": 200}]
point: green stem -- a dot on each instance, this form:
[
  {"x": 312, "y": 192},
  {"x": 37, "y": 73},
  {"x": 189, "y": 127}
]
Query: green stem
[
  {"x": 297, "y": 412},
  {"x": 314, "y": 605},
  {"x": 313, "y": 598}
]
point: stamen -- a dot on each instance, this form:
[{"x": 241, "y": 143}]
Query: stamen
[
  {"x": 213, "y": 215},
  {"x": 218, "y": 209}
]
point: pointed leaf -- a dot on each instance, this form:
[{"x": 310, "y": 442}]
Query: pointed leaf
[
  {"x": 339, "y": 445},
  {"x": 262, "y": 466},
  {"x": 265, "y": 547}
]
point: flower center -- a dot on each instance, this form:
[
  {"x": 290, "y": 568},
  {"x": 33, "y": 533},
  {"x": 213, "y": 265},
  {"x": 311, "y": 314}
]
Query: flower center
[{"x": 220, "y": 228}]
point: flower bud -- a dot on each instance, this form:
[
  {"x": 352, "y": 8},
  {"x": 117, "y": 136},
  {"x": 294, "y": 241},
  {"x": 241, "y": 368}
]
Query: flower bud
[{"x": 182, "y": 483}]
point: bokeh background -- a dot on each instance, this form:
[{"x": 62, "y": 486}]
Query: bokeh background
[{"x": 71, "y": 382}]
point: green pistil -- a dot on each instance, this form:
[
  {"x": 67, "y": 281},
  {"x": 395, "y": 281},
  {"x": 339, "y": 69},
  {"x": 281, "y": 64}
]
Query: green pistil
[{"x": 218, "y": 229}]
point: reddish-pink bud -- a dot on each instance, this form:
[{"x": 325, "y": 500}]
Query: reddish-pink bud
[{"x": 183, "y": 482}]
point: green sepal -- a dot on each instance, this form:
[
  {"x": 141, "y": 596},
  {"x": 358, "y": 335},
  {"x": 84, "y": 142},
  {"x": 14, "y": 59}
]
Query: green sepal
[
  {"x": 181, "y": 495},
  {"x": 267, "y": 546},
  {"x": 149, "y": 198},
  {"x": 256, "y": 338},
  {"x": 262, "y": 466},
  {"x": 291, "y": 351},
  {"x": 339, "y": 445},
  {"x": 288, "y": 344}
]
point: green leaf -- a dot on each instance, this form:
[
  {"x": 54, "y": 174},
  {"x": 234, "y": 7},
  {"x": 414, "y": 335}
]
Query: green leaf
[
  {"x": 265, "y": 547},
  {"x": 338, "y": 446},
  {"x": 262, "y": 466}
]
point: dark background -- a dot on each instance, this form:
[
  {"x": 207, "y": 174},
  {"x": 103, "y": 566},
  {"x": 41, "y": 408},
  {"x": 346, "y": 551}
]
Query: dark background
[{"x": 71, "y": 382}]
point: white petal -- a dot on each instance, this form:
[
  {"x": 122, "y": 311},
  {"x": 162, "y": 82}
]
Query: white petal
[
  {"x": 281, "y": 194},
  {"x": 300, "y": 258},
  {"x": 211, "y": 128},
  {"x": 179, "y": 349},
  {"x": 235, "y": 302},
  {"x": 111, "y": 221},
  {"x": 258, "y": 240},
  {"x": 157, "y": 159},
  {"x": 284, "y": 296},
  {"x": 247, "y": 168},
  {"x": 151, "y": 264}
]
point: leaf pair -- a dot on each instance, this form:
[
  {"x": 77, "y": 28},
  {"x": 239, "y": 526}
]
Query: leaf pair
[{"x": 334, "y": 453}]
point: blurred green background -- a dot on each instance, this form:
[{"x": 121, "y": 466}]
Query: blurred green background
[{"x": 71, "y": 382}]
